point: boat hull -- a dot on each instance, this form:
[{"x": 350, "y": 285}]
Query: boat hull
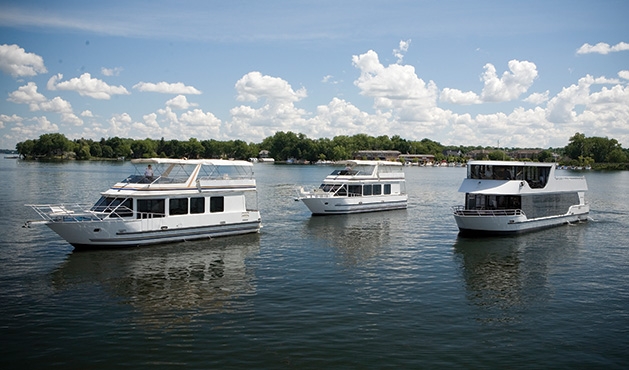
[
  {"x": 469, "y": 224},
  {"x": 347, "y": 205},
  {"x": 120, "y": 233}
]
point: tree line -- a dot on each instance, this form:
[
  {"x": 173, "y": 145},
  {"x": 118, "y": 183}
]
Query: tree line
[{"x": 581, "y": 150}]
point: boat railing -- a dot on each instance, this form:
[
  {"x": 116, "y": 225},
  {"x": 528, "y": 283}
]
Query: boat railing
[
  {"x": 461, "y": 211},
  {"x": 69, "y": 212},
  {"x": 75, "y": 212}
]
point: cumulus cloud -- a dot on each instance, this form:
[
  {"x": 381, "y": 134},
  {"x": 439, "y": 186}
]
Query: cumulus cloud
[
  {"x": 85, "y": 85},
  {"x": 27, "y": 94},
  {"x": 455, "y": 96},
  {"x": 254, "y": 86},
  {"x": 602, "y": 48},
  {"x": 111, "y": 71},
  {"x": 507, "y": 87},
  {"x": 395, "y": 88},
  {"x": 510, "y": 85},
  {"x": 537, "y": 98},
  {"x": 166, "y": 88},
  {"x": 15, "y": 61},
  {"x": 401, "y": 50},
  {"x": 180, "y": 102},
  {"x": 624, "y": 74}
]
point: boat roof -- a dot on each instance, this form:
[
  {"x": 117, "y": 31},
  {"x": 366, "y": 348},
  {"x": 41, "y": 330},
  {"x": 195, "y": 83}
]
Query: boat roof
[
  {"x": 511, "y": 163},
  {"x": 373, "y": 163},
  {"x": 208, "y": 162}
]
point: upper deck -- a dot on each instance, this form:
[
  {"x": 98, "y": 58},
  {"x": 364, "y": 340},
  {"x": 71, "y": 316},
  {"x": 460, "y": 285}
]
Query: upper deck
[
  {"x": 512, "y": 177},
  {"x": 368, "y": 170},
  {"x": 180, "y": 174}
]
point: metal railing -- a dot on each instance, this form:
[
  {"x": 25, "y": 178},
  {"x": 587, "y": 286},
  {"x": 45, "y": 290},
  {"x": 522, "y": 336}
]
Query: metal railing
[{"x": 461, "y": 211}]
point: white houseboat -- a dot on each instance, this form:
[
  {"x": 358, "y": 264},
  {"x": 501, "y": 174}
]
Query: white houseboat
[
  {"x": 363, "y": 186},
  {"x": 509, "y": 197},
  {"x": 173, "y": 200}
]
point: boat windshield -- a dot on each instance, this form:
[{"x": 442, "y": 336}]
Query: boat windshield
[{"x": 122, "y": 207}]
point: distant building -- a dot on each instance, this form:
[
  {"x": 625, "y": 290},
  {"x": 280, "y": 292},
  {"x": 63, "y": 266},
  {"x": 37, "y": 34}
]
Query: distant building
[
  {"x": 390, "y": 155},
  {"x": 418, "y": 158},
  {"x": 524, "y": 153}
]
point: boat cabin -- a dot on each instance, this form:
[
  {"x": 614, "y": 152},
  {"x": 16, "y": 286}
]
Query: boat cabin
[{"x": 536, "y": 176}]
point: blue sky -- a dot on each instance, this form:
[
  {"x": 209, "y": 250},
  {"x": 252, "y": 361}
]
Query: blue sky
[{"x": 521, "y": 74}]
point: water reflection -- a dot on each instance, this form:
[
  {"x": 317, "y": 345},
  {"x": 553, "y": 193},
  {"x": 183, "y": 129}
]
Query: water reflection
[
  {"x": 506, "y": 275},
  {"x": 357, "y": 237},
  {"x": 169, "y": 282}
]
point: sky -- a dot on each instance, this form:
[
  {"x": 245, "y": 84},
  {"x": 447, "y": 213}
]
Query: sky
[{"x": 526, "y": 74}]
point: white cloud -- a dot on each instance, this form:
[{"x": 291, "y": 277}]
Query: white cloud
[
  {"x": 455, "y": 96},
  {"x": 119, "y": 125},
  {"x": 166, "y": 88},
  {"x": 9, "y": 119},
  {"x": 254, "y": 86},
  {"x": 180, "y": 102},
  {"x": 18, "y": 63},
  {"x": 393, "y": 87},
  {"x": 538, "y": 98},
  {"x": 85, "y": 85},
  {"x": 27, "y": 94},
  {"x": 111, "y": 71},
  {"x": 507, "y": 87},
  {"x": 403, "y": 48},
  {"x": 511, "y": 85},
  {"x": 561, "y": 108},
  {"x": 87, "y": 113},
  {"x": 624, "y": 74},
  {"x": 602, "y": 48}
]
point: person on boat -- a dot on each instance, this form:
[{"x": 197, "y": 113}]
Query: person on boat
[{"x": 148, "y": 173}]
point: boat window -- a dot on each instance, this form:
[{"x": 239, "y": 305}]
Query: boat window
[
  {"x": 217, "y": 204},
  {"x": 367, "y": 189},
  {"x": 480, "y": 201},
  {"x": 341, "y": 192},
  {"x": 149, "y": 208},
  {"x": 387, "y": 188},
  {"x": 329, "y": 187},
  {"x": 354, "y": 190},
  {"x": 178, "y": 206},
  {"x": 122, "y": 207},
  {"x": 377, "y": 189},
  {"x": 125, "y": 209},
  {"x": 197, "y": 205}
]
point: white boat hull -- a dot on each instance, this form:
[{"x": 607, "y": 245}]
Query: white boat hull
[
  {"x": 346, "y": 205},
  {"x": 508, "y": 224},
  {"x": 128, "y": 233}
]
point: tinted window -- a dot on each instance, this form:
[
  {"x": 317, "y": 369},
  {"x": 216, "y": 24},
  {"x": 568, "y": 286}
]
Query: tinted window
[
  {"x": 217, "y": 204},
  {"x": 178, "y": 206},
  {"x": 197, "y": 205},
  {"x": 151, "y": 208}
]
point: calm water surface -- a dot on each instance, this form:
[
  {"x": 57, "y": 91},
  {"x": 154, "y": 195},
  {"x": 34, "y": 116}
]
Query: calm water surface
[{"x": 379, "y": 290}]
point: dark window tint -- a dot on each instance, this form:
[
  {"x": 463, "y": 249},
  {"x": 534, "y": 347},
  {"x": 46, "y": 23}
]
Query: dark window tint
[
  {"x": 217, "y": 204},
  {"x": 151, "y": 208},
  {"x": 197, "y": 205},
  {"x": 178, "y": 206}
]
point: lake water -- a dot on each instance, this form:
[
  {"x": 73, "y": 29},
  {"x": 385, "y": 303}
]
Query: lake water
[{"x": 394, "y": 289}]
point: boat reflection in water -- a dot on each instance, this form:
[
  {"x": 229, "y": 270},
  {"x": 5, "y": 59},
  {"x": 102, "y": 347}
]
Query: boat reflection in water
[
  {"x": 505, "y": 275},
  {"x": 169, "y": 282},
  {"x": 357, "y": 238}
]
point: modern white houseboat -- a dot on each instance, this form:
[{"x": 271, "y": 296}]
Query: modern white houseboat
[
  {"x": 363, "y": 186},
  {"x": 173, "y": 200},
  {"x": 509, "y": 197}
]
